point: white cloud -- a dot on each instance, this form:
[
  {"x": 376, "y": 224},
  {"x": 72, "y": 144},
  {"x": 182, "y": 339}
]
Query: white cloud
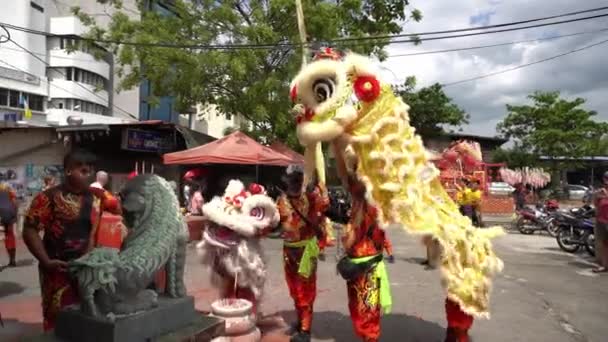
[{"x": 582, "y": 74}]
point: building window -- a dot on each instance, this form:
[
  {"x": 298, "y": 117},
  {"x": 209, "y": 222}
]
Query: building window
[
  {"x": 3, "y": 97},
  {"x": 68, "y": 75},
  {"x": 36, "y": 102},
  {"x": 13, "y": 99},
  {"x": 36, "y": 7}
]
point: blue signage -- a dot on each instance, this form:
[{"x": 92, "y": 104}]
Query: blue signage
[{"x": 141, "y": 140}]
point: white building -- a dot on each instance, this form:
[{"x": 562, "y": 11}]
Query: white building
[
  {"x": 22, "y": 76},
  {"x": 58, "y": 84},
  {"x": 209, "y": 120},
  {"x": 38, "y": 71}
]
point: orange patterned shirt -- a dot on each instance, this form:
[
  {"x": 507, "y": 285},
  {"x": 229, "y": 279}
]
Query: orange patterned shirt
[
  {"x": 363, "y": 243},
  {"x": 312, "y": 205}
]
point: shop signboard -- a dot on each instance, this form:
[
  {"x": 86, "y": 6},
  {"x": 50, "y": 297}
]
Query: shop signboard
[{"x": 142, "y": 140}]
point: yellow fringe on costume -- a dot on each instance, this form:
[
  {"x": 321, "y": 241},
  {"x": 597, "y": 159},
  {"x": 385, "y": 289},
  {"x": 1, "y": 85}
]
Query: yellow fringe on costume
[
  {"x": 405, "y": 186},
  {"x": 400, "y": 178}
]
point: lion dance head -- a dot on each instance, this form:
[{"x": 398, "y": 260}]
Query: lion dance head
[{"x": 230, "y": 245}]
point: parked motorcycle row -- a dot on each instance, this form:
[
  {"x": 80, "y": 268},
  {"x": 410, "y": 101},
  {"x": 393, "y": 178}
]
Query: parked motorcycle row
[{"x": 573, "y": 229}]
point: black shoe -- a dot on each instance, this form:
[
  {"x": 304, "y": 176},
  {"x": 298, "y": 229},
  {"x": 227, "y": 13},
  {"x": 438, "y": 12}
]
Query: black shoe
[
  {"x": 293, "y": 329},
  {"x": 391, "y": 259},
  {"x": 425, "y": 262},
  {"x": 322, "y": 257},
  {"x": 302, "y": 336}
]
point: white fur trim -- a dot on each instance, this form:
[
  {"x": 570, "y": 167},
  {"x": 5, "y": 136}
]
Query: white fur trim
[
  {"x": 359, "y": 65},
  {"x": 234, "y": 188},
  {"x": 312, "y": 132},
  {"x": 218, "y": 211},
  {"x": 314, "y": 71}
]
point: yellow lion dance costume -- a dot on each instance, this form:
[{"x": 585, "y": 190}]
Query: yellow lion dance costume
[{"x": 341, "y": 99}]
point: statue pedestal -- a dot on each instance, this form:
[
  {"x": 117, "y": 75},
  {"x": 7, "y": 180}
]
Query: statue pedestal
[{"x": 171, "y": 315}]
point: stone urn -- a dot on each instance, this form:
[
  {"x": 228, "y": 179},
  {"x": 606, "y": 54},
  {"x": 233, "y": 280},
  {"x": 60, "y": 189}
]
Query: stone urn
[{"x": 239, "y": 318}]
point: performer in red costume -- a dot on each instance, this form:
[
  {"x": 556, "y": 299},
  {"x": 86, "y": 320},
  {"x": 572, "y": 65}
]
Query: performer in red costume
[
  {"x": 324, "y": 238},
  {"x": 368, "y": 289},
  {"x": 301, "y": 217},
  {"x": 459, "y": 323},
  {"x": 68, "y": 214}
]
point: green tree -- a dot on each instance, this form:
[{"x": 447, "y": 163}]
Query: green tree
[
  {"x": 515, "y": 157},
  {"x": 253, "y": 82},
  {"x": 553, "y": 127},
  {"x": 430, "y": 108}
]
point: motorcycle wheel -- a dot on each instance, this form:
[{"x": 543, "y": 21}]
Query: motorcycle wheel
[
  {"x": 553, "y": 229},
  {"x": 590, "y": 244},
  {"x": 521, "y": 226},
  {"x": 562, "y": 240}
]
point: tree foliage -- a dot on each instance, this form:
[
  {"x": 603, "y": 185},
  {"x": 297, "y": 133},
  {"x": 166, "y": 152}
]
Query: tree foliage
[
  {"x": 515, "y": 157},
  {"x": 251, "y": 81},
  {"x": 430, "y": 108},
  {"x": 553, "y": 127}
]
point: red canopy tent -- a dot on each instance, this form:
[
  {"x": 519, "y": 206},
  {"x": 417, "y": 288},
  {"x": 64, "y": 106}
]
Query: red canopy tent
[
  {"x": 283, "y": 149},
  {"x": 236, "y": 148}
]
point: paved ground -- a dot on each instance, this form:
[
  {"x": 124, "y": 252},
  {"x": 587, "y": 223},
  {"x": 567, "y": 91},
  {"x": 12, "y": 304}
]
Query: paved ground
[{"x": 542, "y": 295}]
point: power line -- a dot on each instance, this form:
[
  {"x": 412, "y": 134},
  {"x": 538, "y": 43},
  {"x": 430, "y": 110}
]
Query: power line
[
  {"x": 569, "y": 14},
  {"x": 77, "y": 83},
  {"x": 432, "y": 52},
  {"x": 360, "y": 39},
  {"x": 524, "y": 65},
  {"x": 44, "y": 55}
]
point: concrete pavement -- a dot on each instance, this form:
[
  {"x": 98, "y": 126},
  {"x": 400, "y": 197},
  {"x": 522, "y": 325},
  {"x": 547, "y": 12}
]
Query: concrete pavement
[{"x": 542, "y": 295}]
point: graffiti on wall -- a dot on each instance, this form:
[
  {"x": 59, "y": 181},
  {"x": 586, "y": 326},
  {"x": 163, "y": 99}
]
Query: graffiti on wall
[
  {"x": 34, "y": 175},
  {"x": 14, "y": 176}
]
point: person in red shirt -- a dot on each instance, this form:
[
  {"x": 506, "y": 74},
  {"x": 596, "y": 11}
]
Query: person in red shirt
[
  {"x": 67, "y": 214},
  {"x": 301, "y": 214},
  {"x": 364, "y": 241},
  {"x": 601, "y": 225}
]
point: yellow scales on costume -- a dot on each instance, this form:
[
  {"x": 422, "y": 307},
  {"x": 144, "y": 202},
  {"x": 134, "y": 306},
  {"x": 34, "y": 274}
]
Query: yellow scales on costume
[{"x": 340, "y": 99}]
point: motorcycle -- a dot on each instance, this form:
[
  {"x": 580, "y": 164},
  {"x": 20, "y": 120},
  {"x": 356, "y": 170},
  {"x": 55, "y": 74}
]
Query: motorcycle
[
  {"x": 540, "y": 218},
  {"x": 575, "y": 232}
]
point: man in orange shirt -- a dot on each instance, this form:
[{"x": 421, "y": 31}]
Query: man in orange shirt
[{"x": 301, "y": 215}]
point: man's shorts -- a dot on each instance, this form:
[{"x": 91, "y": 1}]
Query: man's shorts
[
  {"x": 601, "y": 231},
  {"x": 7, "y": 217}
]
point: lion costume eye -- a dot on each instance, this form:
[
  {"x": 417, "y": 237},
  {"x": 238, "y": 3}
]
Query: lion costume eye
[
  {"x": 257, "y": 213},
  {"x": 324, "y": 89}
]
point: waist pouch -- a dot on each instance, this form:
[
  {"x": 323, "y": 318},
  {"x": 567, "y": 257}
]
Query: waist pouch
[{"x": 349, "y": 270}]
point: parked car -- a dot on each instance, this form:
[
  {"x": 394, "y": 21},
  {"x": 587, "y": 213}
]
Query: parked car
[
  {"x": 500, "y": 188},
  {"x": 576, "y": 192}
]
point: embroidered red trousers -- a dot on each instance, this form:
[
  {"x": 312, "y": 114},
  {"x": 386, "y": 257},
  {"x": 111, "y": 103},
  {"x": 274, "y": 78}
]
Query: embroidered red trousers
[
  {"x": 364, "y": 306},
  {"x": 58, "y": 292},
  {"x": 302, "y": 290}
]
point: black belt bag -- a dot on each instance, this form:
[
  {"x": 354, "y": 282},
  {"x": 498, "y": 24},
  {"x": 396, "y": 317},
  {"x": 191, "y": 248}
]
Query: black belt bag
[{"x": 350, "y": 270}]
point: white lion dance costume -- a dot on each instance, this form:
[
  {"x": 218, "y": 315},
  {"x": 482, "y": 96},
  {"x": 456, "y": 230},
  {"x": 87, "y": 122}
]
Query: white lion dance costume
[
  {"x": 342, "y": 101},
  {"x": 231, "y": 246}
]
